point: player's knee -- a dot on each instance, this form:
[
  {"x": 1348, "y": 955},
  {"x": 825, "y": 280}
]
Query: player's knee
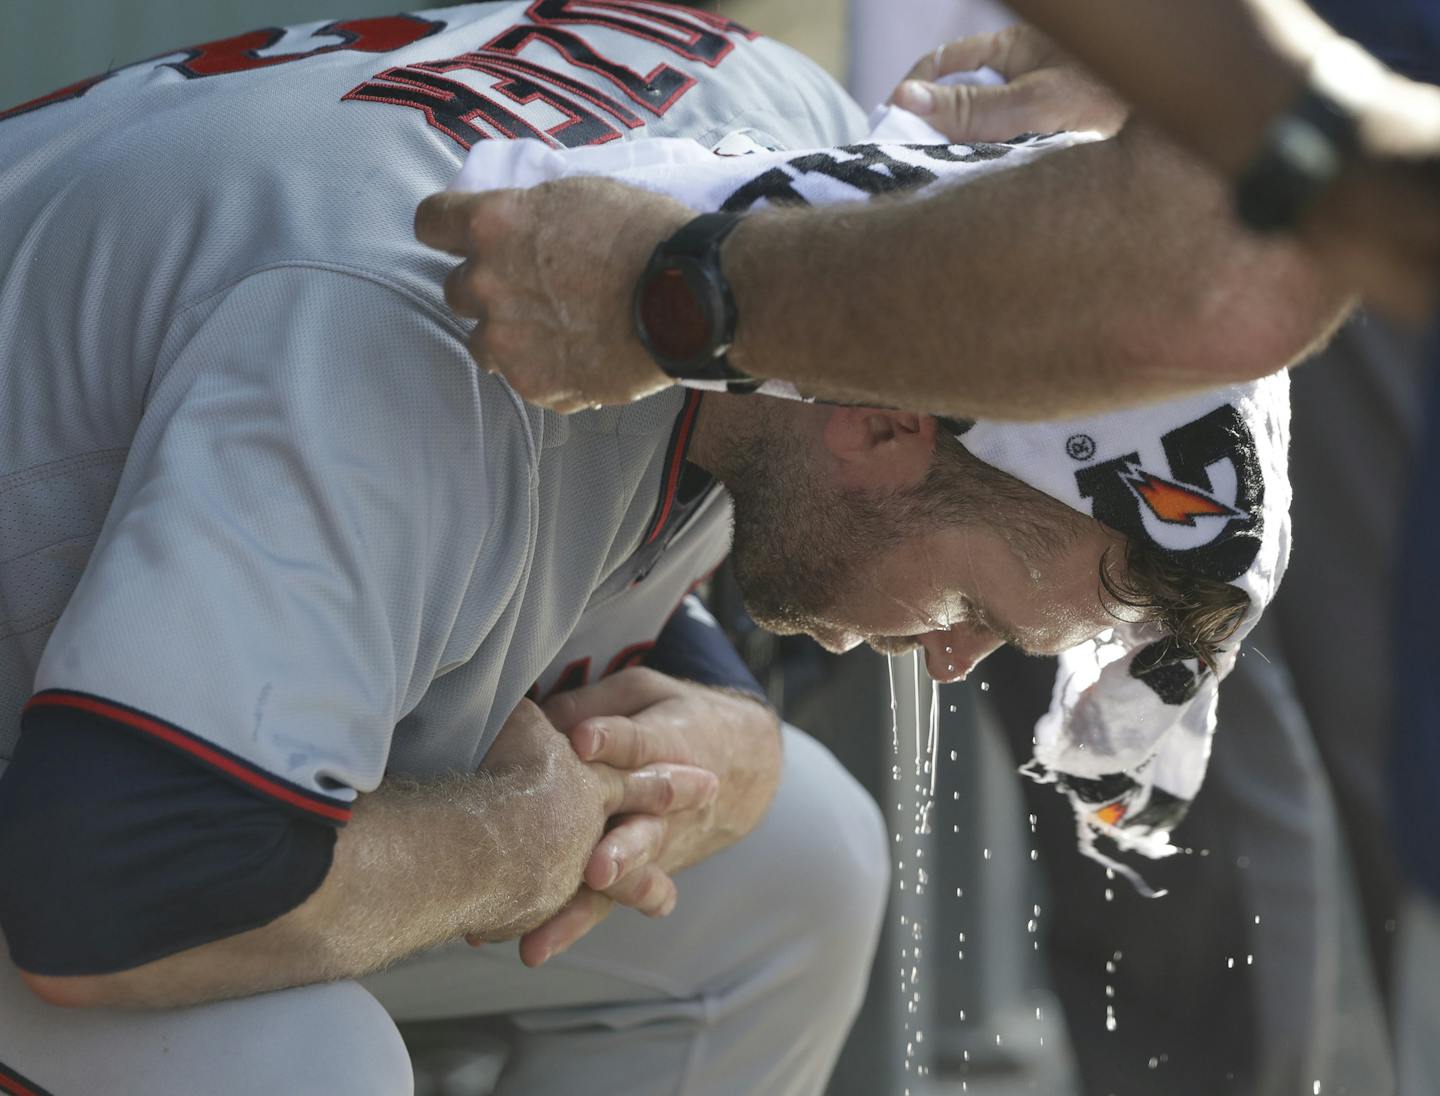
[
  {"x": 845, "y": 853},
  {"x": 334, "y": 1038}
]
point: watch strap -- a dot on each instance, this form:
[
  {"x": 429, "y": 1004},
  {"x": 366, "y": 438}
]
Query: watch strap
[
  {"x": 1303, "y": 153},
  {"x": 693, "y": 253}
]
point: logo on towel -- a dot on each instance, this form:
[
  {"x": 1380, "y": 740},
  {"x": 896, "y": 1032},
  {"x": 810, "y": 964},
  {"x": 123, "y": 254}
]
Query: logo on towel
[{"x": 1204, "y": 508}]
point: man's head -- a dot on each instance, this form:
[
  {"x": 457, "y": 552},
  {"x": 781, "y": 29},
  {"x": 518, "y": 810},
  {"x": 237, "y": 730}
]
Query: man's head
[{"x": 859, "y": 524}]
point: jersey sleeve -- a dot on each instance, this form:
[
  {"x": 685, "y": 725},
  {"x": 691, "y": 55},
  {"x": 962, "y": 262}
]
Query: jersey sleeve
[
  {"x": 307, "y": 499},
  {"x": 175, "y": 855}
]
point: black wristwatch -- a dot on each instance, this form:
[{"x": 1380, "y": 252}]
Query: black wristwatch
[
  {"x": 684, "y": 310},
  {"x": 1303, "y": 153}
]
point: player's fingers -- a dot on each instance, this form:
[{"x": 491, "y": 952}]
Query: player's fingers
[
  {"x": 649, "y": 890},
  {"x": 581, "y": 914},
  {"x": 461, "y": 222},
  {"x": 966, "y": 112},
  {"x": 614, "y": 739},
  {"x": 659, "y": 789},
  {"x": 626, "y": 693},
  {"x": 626, "y": 849}
]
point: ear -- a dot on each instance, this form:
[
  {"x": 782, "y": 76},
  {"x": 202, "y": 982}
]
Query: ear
[{"x": 876, "y": 449}]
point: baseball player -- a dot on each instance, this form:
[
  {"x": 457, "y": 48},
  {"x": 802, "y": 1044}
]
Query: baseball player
[{"x": 280, "y": 571}]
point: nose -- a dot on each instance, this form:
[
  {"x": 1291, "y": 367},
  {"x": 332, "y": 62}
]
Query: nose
[{"x": 951, "y": 654}]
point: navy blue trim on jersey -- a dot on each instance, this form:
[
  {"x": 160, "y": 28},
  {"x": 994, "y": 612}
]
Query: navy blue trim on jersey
[
  {"x": 15, "y": 1084},
  {"x": 207, "y": 753},
  {"x": 116, "y": 850},
  {"x": 693, "y": 646},
  {"x": 665, "y": 516}
]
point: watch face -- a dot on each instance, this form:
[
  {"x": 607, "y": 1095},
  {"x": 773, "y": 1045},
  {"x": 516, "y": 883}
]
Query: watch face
[{"x": 673, "y": 318}]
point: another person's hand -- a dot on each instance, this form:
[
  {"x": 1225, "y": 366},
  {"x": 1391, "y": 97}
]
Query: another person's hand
[
  {"x": 1046, "y": 89},
  {"x": 588, "y": 794},
  {"x": 549, "y": 274},
  {"x": 638, "y": 719}
]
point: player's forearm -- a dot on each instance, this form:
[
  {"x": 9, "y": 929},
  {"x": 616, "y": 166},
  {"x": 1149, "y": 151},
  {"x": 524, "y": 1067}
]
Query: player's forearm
[
  {"x": 1048, "y": 290},
  {"x": 418, "y": 864}
]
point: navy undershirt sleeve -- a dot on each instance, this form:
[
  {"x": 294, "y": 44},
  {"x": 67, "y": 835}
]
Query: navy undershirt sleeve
[
  {"x": 693, "y": 646},
  {"x": 115, "y": 851}
]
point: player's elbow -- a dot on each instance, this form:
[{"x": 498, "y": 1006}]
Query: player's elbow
[
  {"x": 75, "y": 991},
  {"x": 1255, "y": 320}
]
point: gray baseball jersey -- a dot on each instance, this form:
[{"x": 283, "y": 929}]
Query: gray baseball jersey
[{"x": 255, "y": 501}]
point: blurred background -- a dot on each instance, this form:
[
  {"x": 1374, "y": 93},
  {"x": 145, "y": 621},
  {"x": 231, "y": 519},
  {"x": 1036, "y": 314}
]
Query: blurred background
[{"x": 1287, "y": 957}]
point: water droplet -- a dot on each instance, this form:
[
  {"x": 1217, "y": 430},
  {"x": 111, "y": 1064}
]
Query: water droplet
[
  {"x": 1110, "y": 1024},
  {"x": 1109, "y": 895},
  {"x": 1034, "y": 855},
  {"x": 1316, "y": 1089},
  {"x": 954, "y": 754},
  {"x": 952, "y": 707},
  {"x": 984, "y": 686},
  {"x": 1257, "y": 918},
  {"x": 1230, "y": 963},
  {"x": 1109, "y": 991},
  {"x": 1249, "y": 960},
  {"x": 1154, "y": 1063},
  {"x": 986, "y": 853}
]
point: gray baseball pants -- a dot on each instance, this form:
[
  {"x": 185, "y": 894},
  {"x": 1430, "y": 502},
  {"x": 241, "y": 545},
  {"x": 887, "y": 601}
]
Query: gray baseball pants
[{"x": 748, "y": 987}]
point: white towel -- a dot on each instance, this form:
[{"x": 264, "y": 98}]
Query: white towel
[{"x": 1127, "y": 736}]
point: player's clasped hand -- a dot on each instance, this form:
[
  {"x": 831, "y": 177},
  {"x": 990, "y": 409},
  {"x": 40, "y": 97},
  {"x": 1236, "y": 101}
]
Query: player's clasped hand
[
  {"x": 639, "y": 720},
  {"x": 594, "y": 791},
  {"x": 548, "y": 275}
]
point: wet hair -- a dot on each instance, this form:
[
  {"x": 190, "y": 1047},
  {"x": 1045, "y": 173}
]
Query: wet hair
[
  {"x": 1147, "y": 585},
  {"x": 1200, "y": 613}
]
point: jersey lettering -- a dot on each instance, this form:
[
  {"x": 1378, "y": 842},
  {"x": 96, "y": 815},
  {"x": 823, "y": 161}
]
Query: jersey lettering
[
  {"x": 242, "y": 52},
  {"x": 589, "y": 117},
  {"x": 68, "y": 92},
  {"x": 453, "y": 108}
]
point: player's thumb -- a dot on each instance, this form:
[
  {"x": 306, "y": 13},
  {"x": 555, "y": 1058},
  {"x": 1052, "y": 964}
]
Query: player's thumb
[{"x": 966, "y": 112}]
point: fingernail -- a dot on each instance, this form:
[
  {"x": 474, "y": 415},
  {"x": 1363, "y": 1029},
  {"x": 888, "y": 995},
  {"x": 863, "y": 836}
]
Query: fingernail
[
  {"x": 612, "y": 873},
  {"x": 915, "y": 97},
  {"x": 597, "y": 740}
]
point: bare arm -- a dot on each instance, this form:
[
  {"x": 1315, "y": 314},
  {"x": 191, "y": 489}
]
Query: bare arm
[
  {"x": 1215, "y": 75},
  {"x": 1106, "y": 274},
  {"x": 491, "y": 854},
  {"x": 1099, "y": 276}
]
